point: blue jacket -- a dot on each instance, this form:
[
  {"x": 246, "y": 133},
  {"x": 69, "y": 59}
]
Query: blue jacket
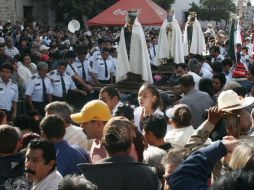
[
  {"x": 68, "y": 156},
  {"x": 194, "y": 172}
]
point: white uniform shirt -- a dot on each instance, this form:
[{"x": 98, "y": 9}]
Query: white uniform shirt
[
  {"x": 34, "y": 87},
  {"x": 114, "y": 61},
  {"x": 8, "y": 93},
  {"x": 99, "y": 69},
  {"x": 72, "y": 69},
  {"x": 153, "y": 50},
  {"x": 56, "y": 82},
  {"x": 87, "y": 69}
]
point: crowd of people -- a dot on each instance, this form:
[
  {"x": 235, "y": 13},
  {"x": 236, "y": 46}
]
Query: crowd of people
[{"x": 200, "y": 138}]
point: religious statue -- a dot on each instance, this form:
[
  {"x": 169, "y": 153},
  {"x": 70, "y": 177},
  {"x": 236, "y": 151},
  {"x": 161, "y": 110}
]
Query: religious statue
[
  {"x": 133, "y": 56},
  {"x": 170, "y": 40},
  {"x": 194, "y": 40}
]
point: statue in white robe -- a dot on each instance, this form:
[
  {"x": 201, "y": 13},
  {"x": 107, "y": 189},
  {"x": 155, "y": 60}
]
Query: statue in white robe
[
  {"x": 133, "y": 56},
  {"x": 170, "y": 41}
]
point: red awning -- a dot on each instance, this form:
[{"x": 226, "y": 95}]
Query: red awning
[{"x": 149, "y": 13}]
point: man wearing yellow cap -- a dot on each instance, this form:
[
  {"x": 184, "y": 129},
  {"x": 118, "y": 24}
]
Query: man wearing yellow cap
[{"x": 92, "y": 118}]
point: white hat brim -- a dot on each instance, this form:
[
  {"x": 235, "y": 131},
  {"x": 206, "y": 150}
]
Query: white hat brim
[{"x": 247, "y": 101}]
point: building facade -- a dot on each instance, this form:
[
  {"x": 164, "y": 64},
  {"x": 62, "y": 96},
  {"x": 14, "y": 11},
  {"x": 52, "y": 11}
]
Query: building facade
[{"x": 26, "y": 11}]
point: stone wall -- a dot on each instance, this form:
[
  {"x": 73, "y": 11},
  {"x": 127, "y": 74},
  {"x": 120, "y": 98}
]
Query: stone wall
[{"x": 8, "y": 10}]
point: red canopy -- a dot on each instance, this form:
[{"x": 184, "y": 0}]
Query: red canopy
[{"x": 149, "y": 13}]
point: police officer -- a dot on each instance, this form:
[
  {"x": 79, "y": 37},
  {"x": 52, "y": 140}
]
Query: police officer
[
  {"x": 62, "y": 82},
  {"x": 83, "y": 65},
  {"x": 39, "y": 88},
  {"x": 8, "y": 91},
  {"x": 153, "y": 50},
  {"x": 95, "y": 53},
  {"x": 104, "y": 68},
  {"x": 74, "y": 72}
]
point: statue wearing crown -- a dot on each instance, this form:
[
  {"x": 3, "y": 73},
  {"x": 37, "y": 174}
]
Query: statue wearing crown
[
  {"x": 194, "y": 40},
  {"x": 170, "y": 41},
  {"x": 133, "y": 56}
]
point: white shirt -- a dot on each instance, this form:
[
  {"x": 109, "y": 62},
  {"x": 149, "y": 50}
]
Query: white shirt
[
  {"x": 207, "y": 66},
  {"x": 72, "y": 69},
  {"x": 24, "y": 73},
  {"x": 204, "y": 73},
  {"x": 196, "y": 78},
  {"x": 50, "y": 182},
  {"x": 74, "y": 135},
  {"x": 153, "y": 50},
  {"x": 87, "y": 69},
  {"x": 218, "y": 59},
  {"x": 34, "y": 87},
  {"x": 138, "y": 114},
  {"x": 114, "y": 61},
  {"x": 55, "y": 78},
  {"x": 99, "y": 69},
  {"x": 115, "y": 108},
  {"x": 8, "y": 93},
  {"x": 178, "y": 137}
]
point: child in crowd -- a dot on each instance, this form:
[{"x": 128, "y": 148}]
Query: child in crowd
[{"x": 149, "y": 103}]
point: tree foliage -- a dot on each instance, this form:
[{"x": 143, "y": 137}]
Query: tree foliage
[
  {"x": 90, "y": 8},
  {"x": 78, "y": 8},
  {"x": 164, "y": 4},
  {"x": 215, "y": 10}
]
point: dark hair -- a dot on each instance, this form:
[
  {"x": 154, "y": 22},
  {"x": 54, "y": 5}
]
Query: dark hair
[
  {"x": 125, "y": 111},
  {"x": 47, "y": 148},
  {"x": 23, "y": 122},
  {"x": 241, "y": 91},
  {"x": 156, "y": 124},
  {"x": 112, "y": 92},
  {"x": 105, "y": 50},
  {"x": 101, "y": 41},
  {"x": 28, "y": 137},
  {"x": 76, "y": 183},
  {"x": 217, "y": 67},
  {"x": 187, "y": 80},
  {"x": 8, "y": 139},
  {"x": 81, "y": 50},
  {"x": 216, "y": 49},
  {"x": 226, "y": 62},
  {"x": 11, "y": 61},
  {"x": 53, "y": 126},
  {"x": 70, "y": 54},
  {"x": 7, "y": 66},
  {"x": 236, "y": 180},
  {"x": 221, "y": 77},
  {"x": 112, "y": 50},
  {"x": 62, "y": 62},
  {"x": 182, "y": 65},
  {"x": 154, "y": 92},
  {"x": 206, "y": 85},
  {"x": 181, "y": 115},
  {"x": 251, "y": 70}
]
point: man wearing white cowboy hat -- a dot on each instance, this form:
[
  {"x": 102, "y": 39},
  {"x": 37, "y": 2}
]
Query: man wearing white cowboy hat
[{"x": 238, "y": 120}]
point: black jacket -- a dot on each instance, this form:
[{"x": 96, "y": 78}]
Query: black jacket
[
  {"x": 120, "y": 173},
  {"x": 12, "y": 172}
]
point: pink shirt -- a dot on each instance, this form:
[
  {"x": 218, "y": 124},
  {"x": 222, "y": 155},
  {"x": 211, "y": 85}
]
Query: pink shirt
[{"x": 98, "y": 152}]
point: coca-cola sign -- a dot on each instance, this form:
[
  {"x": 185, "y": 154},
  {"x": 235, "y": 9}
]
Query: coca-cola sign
[{"x": 119, "y": 12}]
